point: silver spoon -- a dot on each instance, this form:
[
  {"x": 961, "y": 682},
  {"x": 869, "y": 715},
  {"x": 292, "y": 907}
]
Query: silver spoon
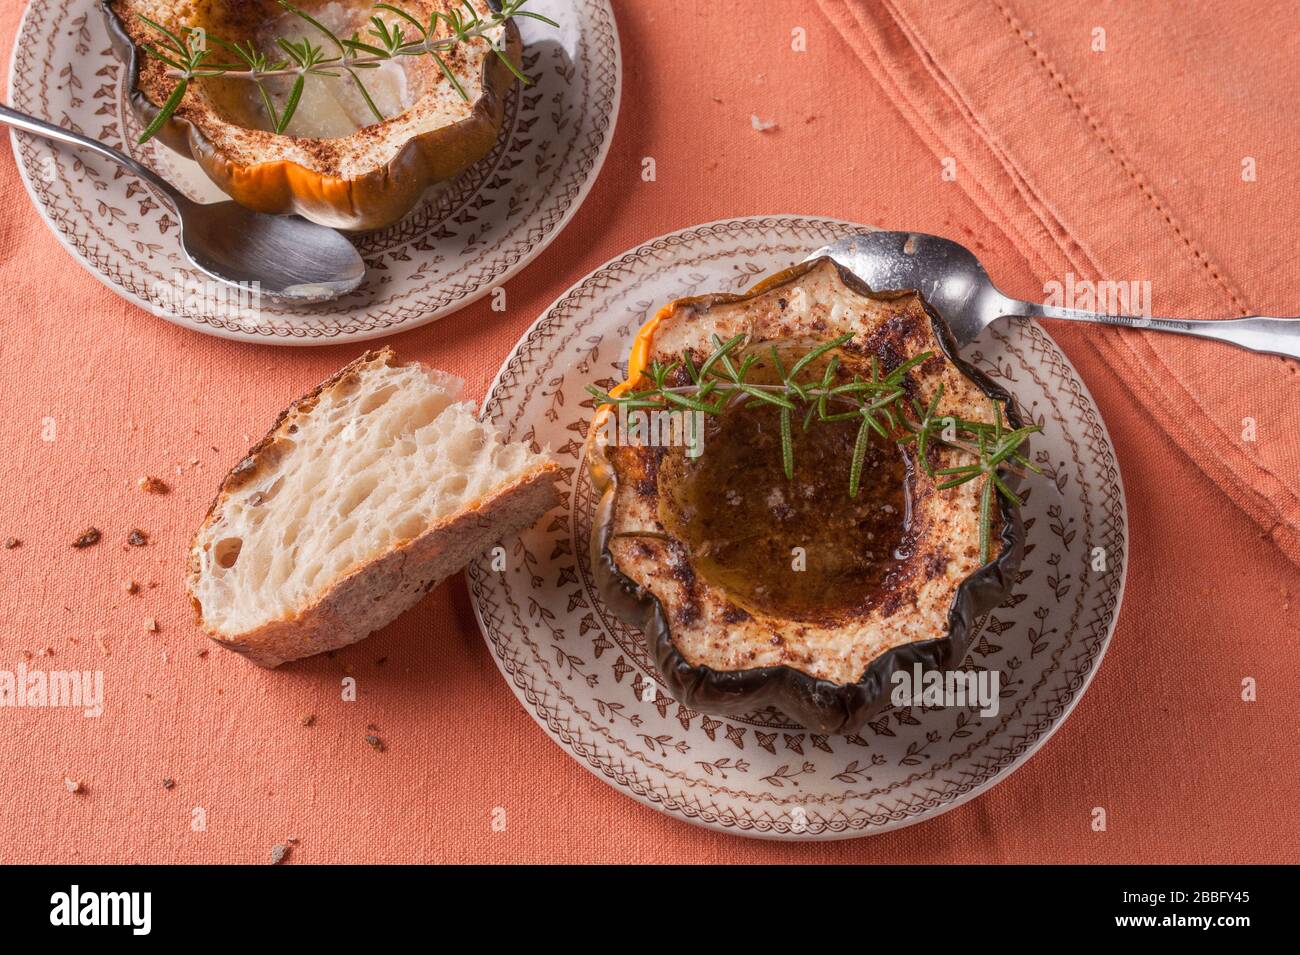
[
  {"x": 956, "y": 286},
  {"x": 292, "y": 260}
]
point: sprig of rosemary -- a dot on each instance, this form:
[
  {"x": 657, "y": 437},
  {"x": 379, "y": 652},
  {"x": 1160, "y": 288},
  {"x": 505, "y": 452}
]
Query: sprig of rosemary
[
  {"x": 188, "y": 56},
  {"x": 878, "y": 401}
]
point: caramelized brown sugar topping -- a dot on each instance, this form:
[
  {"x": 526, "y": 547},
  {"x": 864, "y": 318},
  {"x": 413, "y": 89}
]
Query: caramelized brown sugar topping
[
  {"x": 713, "y": 540},
  {"x": 799, "y": 548}
]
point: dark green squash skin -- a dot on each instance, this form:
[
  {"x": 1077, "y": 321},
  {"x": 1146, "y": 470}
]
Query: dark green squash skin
[{"x": 817, "y": 704}]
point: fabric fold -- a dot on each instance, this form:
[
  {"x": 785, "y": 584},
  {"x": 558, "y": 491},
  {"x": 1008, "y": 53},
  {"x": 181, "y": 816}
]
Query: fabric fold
[{"x": 980, "y": 85}]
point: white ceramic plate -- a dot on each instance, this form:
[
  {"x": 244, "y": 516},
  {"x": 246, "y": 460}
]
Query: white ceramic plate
[
  {"x": 583, "y": 674},
  {"x": 465, "y": 238}
]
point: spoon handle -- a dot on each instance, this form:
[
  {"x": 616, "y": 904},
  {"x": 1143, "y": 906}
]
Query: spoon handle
[
  {"x": 1273, "y": 336},
  {"x": 38, "y": 127}
]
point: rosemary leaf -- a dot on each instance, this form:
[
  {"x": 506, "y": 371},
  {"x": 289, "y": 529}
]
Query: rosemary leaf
[
  {"x": 875, "y": 425},
  {"x": 234, "y": 48},
  {"x": 897, "y": 374},
  {"x": 986, "y": 529},
  {"x": 179, "y": 44},
  {"x": 534, "y": 16},
  {"x": 842, "y": 416},
  {"x": 291, "y": 104},
  {"x": 720, "y": 352},
  {"x": 635, "y": 400},
  {"x": 304, "y": 15},
  {"x": 779, "y": 365},
  {"x": 771, "y": 398},
  {"x": 723, "y": 358},
  {"x": 859, "y": 456},
  {"x": 500, "y": 55},
  {"x": 404, "y": 15},
  {"x": 1026, "y": 463},
  {"x": 934, "y": 402},
  {"x": 380, "y": 30},
  {"x": 787, "y": 445},
  {"x": 365, "y": 94},
  {"x": 451, "y": 77},
  {"x": 686, "y": 402},
  {"x": 292, "y": 50},
  {"x": 158, "y": 54},
  {"x": 832, "y": 366},
  {"x": 165, "y": 113},
  {"x": 817, "y": 352},
  {"x": 436, "y": 17},
  {"x": 268, "y": 105},
  {"x": 1012, "y": 496},
  {"x": 857, "y": 387},
  {"x": 798, "y": 389},
  {"x": 661, "y": 373},
  {"x": 358, "y": 46}
]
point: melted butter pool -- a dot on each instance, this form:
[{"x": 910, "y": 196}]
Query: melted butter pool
[{"x": 798, "y": 548}]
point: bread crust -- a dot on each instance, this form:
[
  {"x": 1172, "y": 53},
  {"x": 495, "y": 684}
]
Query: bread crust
[{"x": 375, "y": 593}]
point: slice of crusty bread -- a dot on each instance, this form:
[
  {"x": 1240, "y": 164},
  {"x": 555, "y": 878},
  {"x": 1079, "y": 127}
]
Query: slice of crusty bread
[{"x": 365, "y": 493}]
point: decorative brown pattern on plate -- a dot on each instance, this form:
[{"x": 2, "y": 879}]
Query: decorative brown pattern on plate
[
  {"x": 591, "y": 685},
  {"x": 465, "y": 238}
]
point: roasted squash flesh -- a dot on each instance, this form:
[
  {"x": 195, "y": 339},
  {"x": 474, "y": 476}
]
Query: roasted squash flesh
[
  {"x": 756, "y": 588},
  {"x": 335, "y": 164}
]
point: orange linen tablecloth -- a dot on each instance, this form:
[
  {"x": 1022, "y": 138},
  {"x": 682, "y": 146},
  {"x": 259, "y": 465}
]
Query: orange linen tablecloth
[{"x": 1123, "y": 163}]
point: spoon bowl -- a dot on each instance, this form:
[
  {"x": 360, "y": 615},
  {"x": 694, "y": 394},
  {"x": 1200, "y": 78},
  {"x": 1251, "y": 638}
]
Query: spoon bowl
[
  {"x": 289, "y": 259},
  {"x": 951, "y": 279},
  {"x": 286, "y": 258}
]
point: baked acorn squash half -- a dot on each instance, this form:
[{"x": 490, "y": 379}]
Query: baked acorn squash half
[
  {"x": 334, "y": 164},
  {"x": 758, "y": 580}
]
